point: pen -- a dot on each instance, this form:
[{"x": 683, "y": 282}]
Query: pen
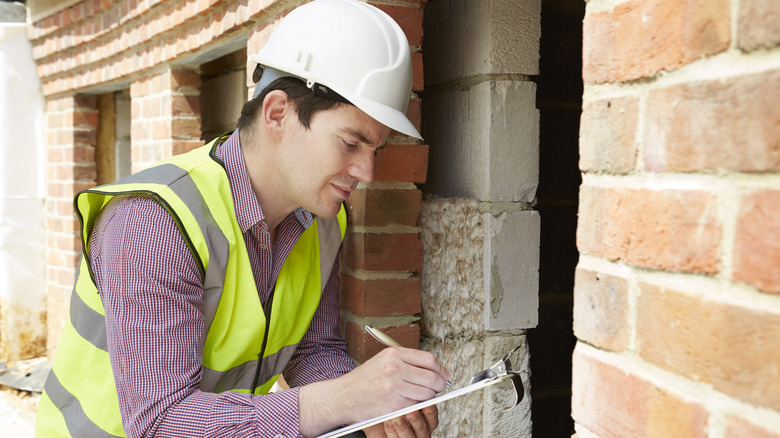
[{"x": 386, "y": 340}]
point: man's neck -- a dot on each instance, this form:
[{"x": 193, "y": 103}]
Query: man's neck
[{"x": 275, "y": 208}]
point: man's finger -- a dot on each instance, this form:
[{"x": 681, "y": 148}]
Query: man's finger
[
  {"x": 431, "y": 414},
  {"x": 395, "y": 428},
  {"x": 419, "y": 424}
]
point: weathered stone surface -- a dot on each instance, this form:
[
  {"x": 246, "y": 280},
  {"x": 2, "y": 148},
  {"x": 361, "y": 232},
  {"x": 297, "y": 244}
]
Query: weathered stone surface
[
  {"x": 452, "y": 285},
  {"x": 481, "y": 413}
]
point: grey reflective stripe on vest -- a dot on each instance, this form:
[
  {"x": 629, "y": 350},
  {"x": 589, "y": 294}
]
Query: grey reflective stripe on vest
[
  {"x": 77, "y": 421},
  {"x": 242, "y": 376},
  {"x": 88, "y": 323},
  {"x": 181, "y": 183},
  {"x": 329, "y": 234},
  {"x": 217, "y": 243}
]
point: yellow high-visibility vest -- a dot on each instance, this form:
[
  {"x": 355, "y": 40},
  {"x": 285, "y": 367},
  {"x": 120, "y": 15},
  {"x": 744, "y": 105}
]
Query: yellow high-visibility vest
[{"x": 244, "y": 349}]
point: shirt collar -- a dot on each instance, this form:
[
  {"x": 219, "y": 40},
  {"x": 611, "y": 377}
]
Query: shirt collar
[{"x": 248, "y": 209}]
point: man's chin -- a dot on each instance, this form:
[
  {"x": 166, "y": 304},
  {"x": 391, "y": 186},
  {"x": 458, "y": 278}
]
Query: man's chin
[{"x": 327, "y": 211}]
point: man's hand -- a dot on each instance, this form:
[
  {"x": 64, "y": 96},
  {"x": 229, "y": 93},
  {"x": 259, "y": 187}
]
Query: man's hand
[
  {"x": 393, "y": 379},
  {"x": 417, "y": 424}
]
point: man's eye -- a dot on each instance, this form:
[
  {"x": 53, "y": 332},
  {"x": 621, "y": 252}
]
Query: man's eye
[{"x": 351, "y": 145}]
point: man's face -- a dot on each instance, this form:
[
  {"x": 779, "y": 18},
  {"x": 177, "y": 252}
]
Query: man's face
[{"x": 319, "y": 167}]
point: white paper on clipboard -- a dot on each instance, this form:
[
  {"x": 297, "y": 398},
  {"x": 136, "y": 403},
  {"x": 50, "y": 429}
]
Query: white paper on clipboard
[{"x": 436, "y": 400}]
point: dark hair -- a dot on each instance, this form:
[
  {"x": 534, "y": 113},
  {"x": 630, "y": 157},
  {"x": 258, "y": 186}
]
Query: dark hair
[{"x": 305, "y": 101}]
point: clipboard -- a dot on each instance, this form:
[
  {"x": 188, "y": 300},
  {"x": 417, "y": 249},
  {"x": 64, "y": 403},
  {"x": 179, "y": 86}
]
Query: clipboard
[
  {"x": 436, "y": 400},
  {"x": 500, "y": 371}
]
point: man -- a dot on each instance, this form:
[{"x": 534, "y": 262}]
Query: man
[{"x": 207, "y": 276}]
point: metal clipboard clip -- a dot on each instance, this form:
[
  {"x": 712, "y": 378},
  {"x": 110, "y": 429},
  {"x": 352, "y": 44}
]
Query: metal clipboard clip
[{"x": 503, "y": 370}]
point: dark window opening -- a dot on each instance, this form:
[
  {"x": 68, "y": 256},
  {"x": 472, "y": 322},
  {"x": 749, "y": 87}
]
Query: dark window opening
[
  {"x": 559, "y": 99},
  {"x": 222, "y": 94}
]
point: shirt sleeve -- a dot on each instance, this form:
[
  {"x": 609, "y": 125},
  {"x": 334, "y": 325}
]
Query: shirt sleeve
[
  {"x": 152, "y": 292},
  {"x": 322, "y": 353}
]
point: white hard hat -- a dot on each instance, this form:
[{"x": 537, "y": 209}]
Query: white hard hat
[{"x": 350, "y": 47}]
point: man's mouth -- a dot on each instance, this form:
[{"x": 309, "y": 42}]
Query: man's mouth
[{"x": 342, "y": 191}]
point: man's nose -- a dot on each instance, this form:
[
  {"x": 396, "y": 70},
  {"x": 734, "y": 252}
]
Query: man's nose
[{"x": 363, "y": 167}]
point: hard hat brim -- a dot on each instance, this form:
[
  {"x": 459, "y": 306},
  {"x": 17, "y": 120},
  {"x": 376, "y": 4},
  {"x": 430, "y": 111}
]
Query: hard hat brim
[{"x": 390, "y": 117}]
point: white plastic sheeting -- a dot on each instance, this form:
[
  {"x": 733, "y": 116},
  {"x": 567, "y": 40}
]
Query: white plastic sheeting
[{"x": 22, "y": 189}]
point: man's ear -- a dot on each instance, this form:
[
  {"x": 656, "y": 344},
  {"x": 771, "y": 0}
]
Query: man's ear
[{"x": 276, "y": 109}]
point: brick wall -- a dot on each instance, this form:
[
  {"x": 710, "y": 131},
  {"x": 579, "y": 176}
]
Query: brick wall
[
  {"x": 153, "y": 48},
  {"x": 677, "y": 309},
  {"x": 71, "y": 130},
  {"x": 165, "y": 115}
]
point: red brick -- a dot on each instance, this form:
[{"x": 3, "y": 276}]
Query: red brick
[
  {"x": 675, "y": 230},
  {"x": 363, "y": 347},
  {"x": 384, "y": 252},
  {"x": 182, "y": 105},
  {"x": 402, "y": 163},
  {"x": 183, "y": 146},
  {"x": 161, "y": 129},
  {"x": 757, "y": 242},
  {"x": 608, "y": 135},
  {"x": 64, "y": 242},
  {"x": 85, "y": 172},
  {"x": 719, "y": 344},
  {"x": 615, "y": 404},
  {"x": 141, "y": 87},
  {"x": 66, "y": 18},
  {"x": 184, "y": 79},
  {"x": 381, "y": 297},
  {"x": 62, "y": 224},
  {"x": 56, "y": 189},
  {"x": 637, "y": 38},
  {"x": 62, "y": 276},
  {"x": 739, "y": 428},
  {"x": 151, "y": 108},
  {"x": 414, "y": 113},
  {"x": 150, "y": 154},
  {"x": 159, "y": 83},
  {"x": 731, "y": 124},
  {"x": 76, "y": 12},
  {"x": 185, "y": 128},
  {"x": 139, "y": 130},
  {"x": 89, "y": 11},
  {"x": 84, "y": 101},
  {"x": 601, "y": 310},
  {"x": 67, "y": 259},
  {"x": 410, "y": 20},
  {"x": 379, "y": 208},
  {"x": 757, "y": 25},
  {"x": 61, "y": 207},
  {"x": 418, "y": 81}
]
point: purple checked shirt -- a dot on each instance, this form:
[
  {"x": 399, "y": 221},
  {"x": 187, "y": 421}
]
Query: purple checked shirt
[{"x": 152, "y": 292}]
